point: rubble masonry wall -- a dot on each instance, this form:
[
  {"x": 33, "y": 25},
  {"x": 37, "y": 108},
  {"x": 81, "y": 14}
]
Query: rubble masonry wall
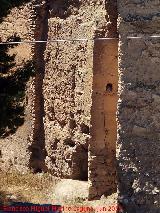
[{"x": 138, "y": 145}]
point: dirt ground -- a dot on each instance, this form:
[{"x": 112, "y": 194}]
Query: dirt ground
[{"x": 46, "y": 189}]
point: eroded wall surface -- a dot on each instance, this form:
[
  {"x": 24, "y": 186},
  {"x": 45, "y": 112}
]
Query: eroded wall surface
[
  {"x": 102, "y": 147},
  {"x": 74, "y": 89},
  {"x": 138, "y": 107},
  {"x": 68, "y": 83}
]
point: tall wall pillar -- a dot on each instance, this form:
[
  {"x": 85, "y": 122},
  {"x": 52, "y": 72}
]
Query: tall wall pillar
[{"x": 102, "y": 147}]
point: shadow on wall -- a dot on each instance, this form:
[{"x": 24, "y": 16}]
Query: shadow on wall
[
  {"x": 37, "y": 148},
  {"x": 7, "y": 5},
  {"x": 12, "y": 91},
  {"x": 80, "y": 165},
  {"x": 63, "y": 8},
  {"x": 111, "y": 8},
  {"x": 12, "y": 84}
]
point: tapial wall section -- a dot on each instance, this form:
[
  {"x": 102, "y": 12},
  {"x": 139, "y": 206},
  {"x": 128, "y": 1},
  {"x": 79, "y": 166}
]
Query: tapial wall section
[
  {"x": 139, "y": 106},
  {"x": 74, "y": 88},
  {"x": 68, "y": 87},
  {"x": 102, "y": 147}
]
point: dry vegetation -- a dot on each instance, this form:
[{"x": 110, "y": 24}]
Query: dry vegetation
[{"x": 26, "y": 188}]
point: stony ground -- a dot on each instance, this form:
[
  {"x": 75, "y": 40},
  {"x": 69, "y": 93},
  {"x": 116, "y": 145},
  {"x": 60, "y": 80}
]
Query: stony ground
[{"x": 46, "y": 189}]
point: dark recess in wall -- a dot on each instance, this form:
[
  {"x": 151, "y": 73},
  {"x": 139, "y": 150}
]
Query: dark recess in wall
[
  {"x": 64, "y": 8},
  {"x": 37, "y": 148}
]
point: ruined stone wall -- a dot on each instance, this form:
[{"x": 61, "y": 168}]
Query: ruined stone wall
[
  {"x": 58, "y": 112},
  {"x": 74, "y": 89},
  {"x": 138, "y": 107},
  {"x": 68, "y": 84},
  {"x": 71, "y": 102}
]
